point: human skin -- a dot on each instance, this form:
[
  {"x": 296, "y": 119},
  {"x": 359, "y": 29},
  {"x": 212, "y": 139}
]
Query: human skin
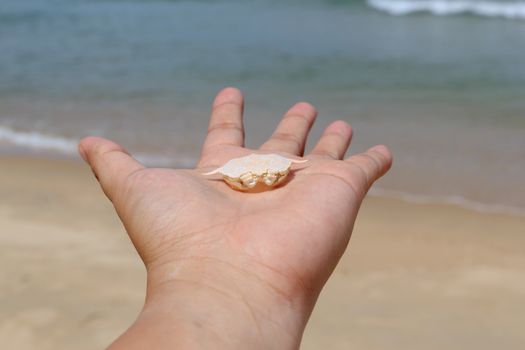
[{"x": 229, "y": 269}]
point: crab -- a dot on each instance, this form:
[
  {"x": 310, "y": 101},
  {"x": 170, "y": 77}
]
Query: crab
[{"x": 245, "y": 173}]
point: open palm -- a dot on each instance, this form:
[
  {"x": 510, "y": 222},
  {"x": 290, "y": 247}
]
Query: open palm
[{"x": 290, "y": 237}]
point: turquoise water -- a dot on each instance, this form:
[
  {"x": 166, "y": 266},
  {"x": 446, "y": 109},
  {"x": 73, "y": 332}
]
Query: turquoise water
[{"x": 444, "y": 88}]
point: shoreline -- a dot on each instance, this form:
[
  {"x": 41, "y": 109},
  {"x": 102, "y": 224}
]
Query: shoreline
[
  {"x": 415, "y": 276},
  {"x": 376, "y": 191}
]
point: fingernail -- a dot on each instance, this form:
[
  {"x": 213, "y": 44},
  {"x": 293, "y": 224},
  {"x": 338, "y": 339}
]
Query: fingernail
[{"x": 380, "y": 149}]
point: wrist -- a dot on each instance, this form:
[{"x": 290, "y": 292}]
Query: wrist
[{"x": 201, "y": 303}]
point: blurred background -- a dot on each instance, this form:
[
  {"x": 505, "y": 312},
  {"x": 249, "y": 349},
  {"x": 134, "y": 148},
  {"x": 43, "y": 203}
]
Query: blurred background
[
  {"x": 445, "y": 88},
  {"x": 441, "y": 82}
]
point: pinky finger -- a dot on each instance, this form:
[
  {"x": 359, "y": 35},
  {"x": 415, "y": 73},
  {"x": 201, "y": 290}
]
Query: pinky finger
[{"x": 372, "y": 164}]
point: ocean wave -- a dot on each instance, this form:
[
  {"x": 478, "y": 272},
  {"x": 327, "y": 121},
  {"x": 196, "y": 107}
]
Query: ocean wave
[
  {"x": 68, "y": 146},
  {"x": 509, "y": 10},
  {"x": 38, "y": 141}
]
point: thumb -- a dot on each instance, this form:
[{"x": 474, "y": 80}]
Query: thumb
[{"x": 110, "y": 163}]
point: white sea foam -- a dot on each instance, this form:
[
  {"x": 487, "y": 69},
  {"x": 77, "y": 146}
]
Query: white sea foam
[
  {"x": 452, "y": 199},
  {"x": 509, "y": 10},
  {"x": 68, "y": 146},
  {"x": 35, "y": 140}
]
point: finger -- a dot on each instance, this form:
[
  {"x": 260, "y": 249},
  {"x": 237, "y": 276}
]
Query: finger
[
  {"x": 334, "y": 141},
  {"x": 226, "y": 126},
  {"x": 291, "y": 133},
  {"x": 372, "y": 164},
  {"x": 110, "y": 162}
]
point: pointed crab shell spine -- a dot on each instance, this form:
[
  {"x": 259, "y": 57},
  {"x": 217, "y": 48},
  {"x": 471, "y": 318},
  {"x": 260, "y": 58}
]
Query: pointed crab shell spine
[
  {"x": 215, "y": 171},
  {"x": 297, "y": 161}
]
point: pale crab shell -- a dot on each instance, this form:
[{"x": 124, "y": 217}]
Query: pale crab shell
[{"x": 245, "y": 172}]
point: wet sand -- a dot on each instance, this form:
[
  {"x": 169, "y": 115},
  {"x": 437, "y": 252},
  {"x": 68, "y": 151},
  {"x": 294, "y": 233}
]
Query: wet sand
[{"x": 416, "y": 276}]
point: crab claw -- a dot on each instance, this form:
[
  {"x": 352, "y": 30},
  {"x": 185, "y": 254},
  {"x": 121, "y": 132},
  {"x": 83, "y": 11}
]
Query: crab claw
[
  {"x": 249, "y": 180},
  {"x": 270, "y": 179}
]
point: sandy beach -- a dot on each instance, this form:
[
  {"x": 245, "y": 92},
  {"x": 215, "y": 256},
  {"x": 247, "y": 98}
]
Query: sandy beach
[{"x": 416, "y": 276}]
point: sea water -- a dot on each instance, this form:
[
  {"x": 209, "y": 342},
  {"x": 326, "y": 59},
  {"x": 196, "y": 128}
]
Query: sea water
[{"x": 442, "y": 82}]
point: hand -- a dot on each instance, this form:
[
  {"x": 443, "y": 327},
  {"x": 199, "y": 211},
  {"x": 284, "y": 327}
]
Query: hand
[{"x": 229, "y": 268}]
